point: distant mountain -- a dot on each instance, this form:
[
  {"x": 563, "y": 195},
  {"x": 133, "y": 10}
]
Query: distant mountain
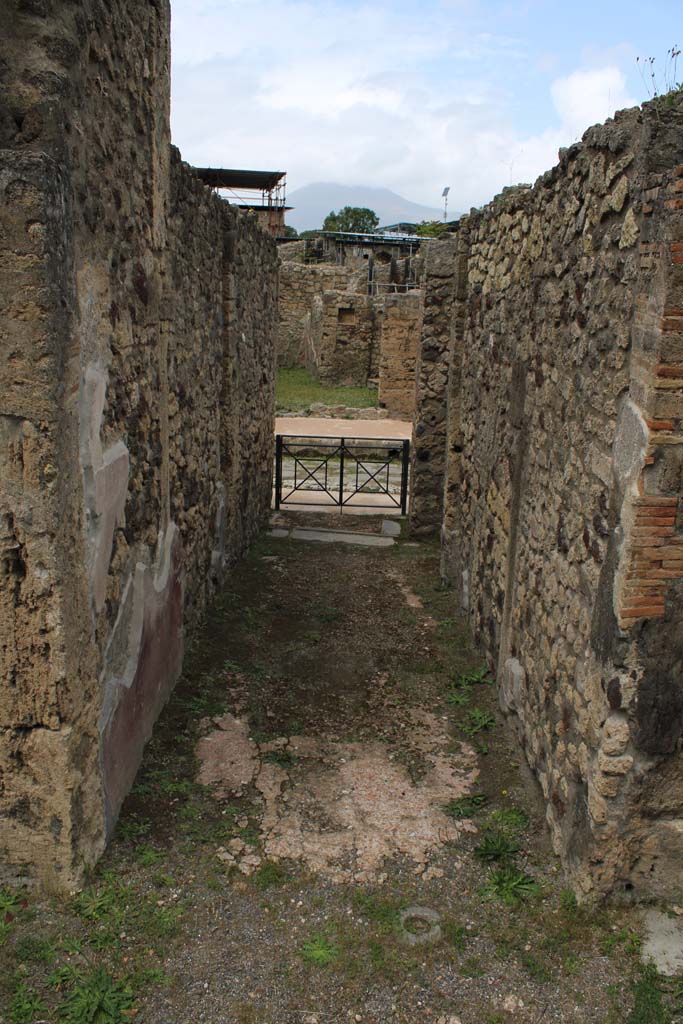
[{"x": 312, "y": 203}]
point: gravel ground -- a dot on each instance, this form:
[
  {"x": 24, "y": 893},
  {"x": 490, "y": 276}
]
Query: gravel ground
[{"x": 332, "y": 823}]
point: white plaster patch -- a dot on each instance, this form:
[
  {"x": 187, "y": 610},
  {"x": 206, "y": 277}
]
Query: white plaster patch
[
  {"x": 630, "y": 447},
  {"x": 663, "y": 942},
  {"x": 105, "y": 476}
]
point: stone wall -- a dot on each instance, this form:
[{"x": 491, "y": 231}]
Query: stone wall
[
  {"x": 563, "y": 523},
  {"x": 400, "y": 324},
  {"x": 342, "y": 339},
  {"x": 300, "y": 283},
  {"x": 353, "y": 324},
  {"x": 428, "y": 449},
  {"x": 137, "y": 316}
]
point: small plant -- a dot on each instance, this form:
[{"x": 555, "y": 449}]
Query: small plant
[
  {"x": 476, "y": 721},
  {"x": 93, "y": 905},
  {"x": 568, "y": 902},
  {"x": 10, "y": 902},
  {"x": 510, "y": 885},
  {"x": 97, "y": 999},
  {"x": 63, "y": 977},
  {"x": 535, "y": 968},
  {"x": 509, "y": 819},
  {"x": 460, "y": 696},
  {"x": 648, "y": 999},
  {"x": 466, "y": 806},
  {"x": 454, "y": 934},
  {"x": 26, "y": 1006},
  {"x": 570, "y": 965},
  {"x": 269, "y": 874},
  {"x": 319, "y": 951},
  {"x": 496, "y": 846},
  {"x": 133, "y": 828},
  {"x": 375, "y": 908},
  {"x": 32, "y": 949},
  {"x": 147, "y": 855},
  {"x": 668, "y": 83},
  {"x": 623, "y": 938},
  {"x": 480, "y": 675}
]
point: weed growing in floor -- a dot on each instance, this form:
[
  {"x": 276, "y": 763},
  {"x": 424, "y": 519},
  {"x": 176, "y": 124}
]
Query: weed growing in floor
[
  {"x": 377, "y": 909},
  {"x": 510, "y": 885},
  {"x": 63, "y": 977},
  {"x": 319, "y": 951},
  {"x": 460, "y": 696},
  {"x": 26, "y": 1006},
  {"x": 133, "y": 828},
  {"x": 454, "y": 934},
  {"x": 475, "y": 721},
  {"x": 480, "y": 675},
  {"x": 509, "y": 820},
  {"x": 466, "y": 806},
  {"x": 148, "y": 856},
  {"x": 268, "y": 875},
  {"x": 496, "y": 846},
  {"x": 569, "y": 904},
  {"x": 624, "y": 939},
  {"x": 535, "y": 968},
  {"x": 34, "y": 950},
  {"x": 648, "y": 999},
  {"x": 10, "y": 902},
  {"x": 96, "y": 999}
]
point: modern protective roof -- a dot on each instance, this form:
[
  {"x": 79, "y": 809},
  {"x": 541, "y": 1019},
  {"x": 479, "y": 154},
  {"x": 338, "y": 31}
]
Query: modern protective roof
[{"x": 221, "y": 177}]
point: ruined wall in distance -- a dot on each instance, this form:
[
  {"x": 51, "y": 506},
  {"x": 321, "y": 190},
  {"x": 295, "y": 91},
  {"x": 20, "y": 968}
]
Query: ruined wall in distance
[
  {"x": 563, "y": 524},
  {"x": 299, "y": 284},
  {"x": 342, "y": 339},
  {"x": 133, "y": 306}
]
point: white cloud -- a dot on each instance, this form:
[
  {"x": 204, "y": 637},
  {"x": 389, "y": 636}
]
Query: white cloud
[
  {"x": 589, "y": 96},
  {"x": 381, "y": 93}
]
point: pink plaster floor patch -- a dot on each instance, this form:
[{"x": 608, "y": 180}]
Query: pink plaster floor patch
[{"x": 343, "y": 809}]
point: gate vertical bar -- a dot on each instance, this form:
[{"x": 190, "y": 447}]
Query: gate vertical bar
[
  {"x": 278, "y": 469},
  {"x": 341, "y": 474},
  {"x": 405, "y": 469}
]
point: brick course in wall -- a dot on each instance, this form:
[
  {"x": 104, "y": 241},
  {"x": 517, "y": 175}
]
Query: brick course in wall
[{"x": 137, "y": 320}]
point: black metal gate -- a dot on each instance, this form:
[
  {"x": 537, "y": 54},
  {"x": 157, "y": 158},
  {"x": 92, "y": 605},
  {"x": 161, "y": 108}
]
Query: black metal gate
[{"x": 347, "y": 472}]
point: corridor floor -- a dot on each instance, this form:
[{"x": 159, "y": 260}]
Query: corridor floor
[{"x": 332, "y": 824}]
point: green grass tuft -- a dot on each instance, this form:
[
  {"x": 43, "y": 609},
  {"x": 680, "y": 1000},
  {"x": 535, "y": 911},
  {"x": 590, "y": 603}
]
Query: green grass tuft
[
  {"x": 319, "y": 951},
  {"x": 496, "y": 846},
  {"x": 648, "y": 999},
  {"x": 510, "y": 885},
  {"x": 466, "y": 806}
]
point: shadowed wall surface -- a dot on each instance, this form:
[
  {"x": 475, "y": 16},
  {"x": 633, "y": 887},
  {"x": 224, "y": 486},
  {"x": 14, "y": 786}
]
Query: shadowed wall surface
[{"x": 137, "y": 323}]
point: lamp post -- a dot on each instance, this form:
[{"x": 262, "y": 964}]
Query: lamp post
[{"x": 444, "y": 196}]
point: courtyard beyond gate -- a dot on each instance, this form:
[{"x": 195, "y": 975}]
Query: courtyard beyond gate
[{"x": 354, "y": 473}]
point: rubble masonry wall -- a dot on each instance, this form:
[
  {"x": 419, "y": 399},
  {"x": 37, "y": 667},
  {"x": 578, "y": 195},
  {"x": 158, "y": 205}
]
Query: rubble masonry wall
[
  {"x": 563, "y": 520},
  {"x": 137, "y": 321}
]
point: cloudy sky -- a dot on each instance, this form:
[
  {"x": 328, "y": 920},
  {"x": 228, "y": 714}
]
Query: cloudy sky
[{"x": 475, "y": 94}]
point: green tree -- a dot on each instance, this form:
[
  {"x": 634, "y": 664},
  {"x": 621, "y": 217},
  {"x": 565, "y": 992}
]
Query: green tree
[
  {"x": 431, "y": 228},
  {"x": 352, "y": 218},
  {"x": 290, "y": 232}
]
